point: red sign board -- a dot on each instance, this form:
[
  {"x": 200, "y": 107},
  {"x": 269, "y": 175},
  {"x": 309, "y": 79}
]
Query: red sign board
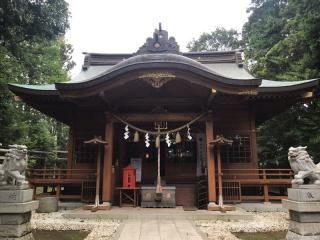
[{"x": 129, "y": 177}]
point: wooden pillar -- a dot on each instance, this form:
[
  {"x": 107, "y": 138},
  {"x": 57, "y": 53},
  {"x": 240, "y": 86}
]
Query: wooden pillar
[
  {"x": 265, "y": 186},
  {"x": 107, "y": 163},
  {"x": 220, "y": 199},
  {"x": 210, "y": 164},
  {"x": 58, "y": 192},
  {"x": 70, "y": 148},
  {"x": 253, "y": 141}
]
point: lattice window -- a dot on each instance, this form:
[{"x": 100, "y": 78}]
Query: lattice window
[
  {"x": 184, "y": 152},
  {"x": 84, "y": 153},
  {"x": 239, "y": 151}
]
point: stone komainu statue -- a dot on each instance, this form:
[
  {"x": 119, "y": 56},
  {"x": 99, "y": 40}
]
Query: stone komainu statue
[
  {"x": 303, "y": 166},
  {"x": 14, "y": 165}
]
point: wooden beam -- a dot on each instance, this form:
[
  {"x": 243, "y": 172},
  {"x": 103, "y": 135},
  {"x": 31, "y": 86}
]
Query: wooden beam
[
  {"x": 169, "y": 117},
  {"x": 211, "y": 97},
  {"x": 159, "y": 101},
  {"x": 106, "y": 101},
  {"x": 107, "y": 164}
]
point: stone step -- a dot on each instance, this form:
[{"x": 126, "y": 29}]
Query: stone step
[
  {"x": 15, "y": 230},
  {"x": 311, "y": 217},
  {"x": 301, "y": 206},
  {"x": 295, "y": 236},
  {"x": 18, "y": 207},
  {"x": 305, "y": 229},
  {"x": 14, "y": 218},
  {"x": 163, "y": 213}
]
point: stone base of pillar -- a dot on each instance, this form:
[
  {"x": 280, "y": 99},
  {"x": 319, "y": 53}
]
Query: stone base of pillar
[
  {"x": 212, "y": 206},
  {"x": 304, "y": 209},
  {"x": 94, "y": 208},
  {"x": 28, "y": 236},
  {"x": 107, "y": 205},
  {"x": 16, "y": 206},
  {"x": 294, "y": 236}
]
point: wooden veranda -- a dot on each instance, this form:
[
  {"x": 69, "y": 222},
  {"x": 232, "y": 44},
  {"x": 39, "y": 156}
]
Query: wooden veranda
[{"x": 238, "y": 184}]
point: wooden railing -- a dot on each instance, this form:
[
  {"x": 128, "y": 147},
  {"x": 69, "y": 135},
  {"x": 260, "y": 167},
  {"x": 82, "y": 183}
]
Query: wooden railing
[
  {"x": 263, "y": 173},
  {"x": 59, "y": 175},
  {"x": 59, "y": 179},
  {"x": 265, "y": 184}
]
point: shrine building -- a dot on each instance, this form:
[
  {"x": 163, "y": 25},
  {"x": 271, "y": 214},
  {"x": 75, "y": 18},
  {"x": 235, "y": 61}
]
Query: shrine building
[{"x": 179, "y": 101}]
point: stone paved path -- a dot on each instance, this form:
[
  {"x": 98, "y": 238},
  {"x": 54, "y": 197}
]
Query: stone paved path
[{"x": 152, "y": 229}]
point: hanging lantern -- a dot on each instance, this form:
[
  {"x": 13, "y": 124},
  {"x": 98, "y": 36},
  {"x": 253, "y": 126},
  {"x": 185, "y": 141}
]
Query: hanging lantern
[
  {"x": 168, "y": 141},
  {"x": 158, "y": 141},
  {"x": 136, "y": 136},
  {"x": 126, "y": 133},
  {"x": 188, "y": 133},
  {"x": 178, "y": 138},
  {"x": 147, "y": 140}
]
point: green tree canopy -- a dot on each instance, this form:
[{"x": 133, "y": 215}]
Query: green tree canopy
[
  {"x": 218, "y": 40},
  {"x": 282, "y": 39},
  {"x": 32, "y": 51}
]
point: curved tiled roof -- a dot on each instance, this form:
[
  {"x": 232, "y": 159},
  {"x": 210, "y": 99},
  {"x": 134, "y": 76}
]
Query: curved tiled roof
[
  {"x": 222, "y": 74},
  {"x": 281, "y": 86}
]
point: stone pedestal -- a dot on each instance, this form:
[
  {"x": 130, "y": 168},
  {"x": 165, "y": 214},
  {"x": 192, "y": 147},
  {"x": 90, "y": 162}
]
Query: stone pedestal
[
  {"x": 168, "y": 197},
  {"x": 304, "y": 210},
  {"x": 48, "y": 205},
  {"x": 16, "y": 205}
]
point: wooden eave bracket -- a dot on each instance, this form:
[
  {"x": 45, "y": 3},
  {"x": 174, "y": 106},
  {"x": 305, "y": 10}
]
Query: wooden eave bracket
[
  {"x": 96, "y": 140},
  {"x": 220, "y": 140}
]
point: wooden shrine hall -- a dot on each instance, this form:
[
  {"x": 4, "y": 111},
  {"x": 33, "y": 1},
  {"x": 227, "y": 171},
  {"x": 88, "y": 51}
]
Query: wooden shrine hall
[{"x": 161, "y": 112}]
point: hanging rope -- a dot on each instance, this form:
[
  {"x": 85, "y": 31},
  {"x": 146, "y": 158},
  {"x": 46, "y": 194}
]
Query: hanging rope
[{"x": 162, "y": 132}]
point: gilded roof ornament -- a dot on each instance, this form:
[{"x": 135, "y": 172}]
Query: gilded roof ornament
[{"x": 160, "y": 43}]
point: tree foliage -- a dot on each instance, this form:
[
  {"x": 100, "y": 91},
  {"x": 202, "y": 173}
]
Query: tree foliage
[
  {"x": 218, "y": 40},
  {"x": 32, "y": 51},
  {"x": 282, "y": 39}
]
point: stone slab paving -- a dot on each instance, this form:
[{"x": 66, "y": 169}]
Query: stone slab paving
[
  {"x": 156, "y": 213},
  {"x": 158, "y": 229}
]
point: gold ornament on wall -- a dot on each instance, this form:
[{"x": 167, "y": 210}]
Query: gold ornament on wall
[{"x": 157, "y": 79}]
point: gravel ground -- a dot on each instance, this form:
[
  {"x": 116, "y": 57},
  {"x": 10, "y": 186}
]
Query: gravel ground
[
  {"x": 99, "y": 229},
  {"x": 263, "y": 222}
]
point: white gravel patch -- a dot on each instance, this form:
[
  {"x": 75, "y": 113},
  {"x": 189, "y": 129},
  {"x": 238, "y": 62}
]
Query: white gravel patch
[
  {"x": 99, "y": 229},
  {"x": 262, "y": 222}
]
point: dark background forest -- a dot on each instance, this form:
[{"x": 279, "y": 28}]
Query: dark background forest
[{"x": 281, "y": 41}]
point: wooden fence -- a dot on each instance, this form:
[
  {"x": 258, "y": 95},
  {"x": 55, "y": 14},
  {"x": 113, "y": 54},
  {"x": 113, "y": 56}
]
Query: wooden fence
[
  {"x": 60, "y": 179},
  {"x": 256, "y": 184}
]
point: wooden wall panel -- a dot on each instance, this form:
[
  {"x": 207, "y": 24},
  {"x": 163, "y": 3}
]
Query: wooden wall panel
[
  {"x": 185, "y": 195},
  {"x": 237, "y": 119}
]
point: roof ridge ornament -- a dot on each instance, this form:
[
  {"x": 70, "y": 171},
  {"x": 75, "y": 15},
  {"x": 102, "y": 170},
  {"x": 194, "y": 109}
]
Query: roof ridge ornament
[{"x": 160, "y": 43}]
